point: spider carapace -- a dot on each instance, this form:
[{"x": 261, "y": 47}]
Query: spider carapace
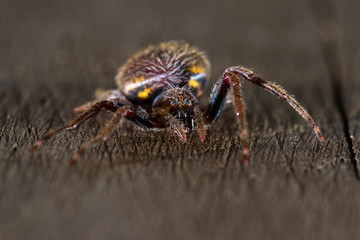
[{"x": 159, "y": 87}]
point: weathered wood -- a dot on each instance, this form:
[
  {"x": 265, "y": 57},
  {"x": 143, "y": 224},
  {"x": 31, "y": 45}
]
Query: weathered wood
[{"x": 148, "y": 185}]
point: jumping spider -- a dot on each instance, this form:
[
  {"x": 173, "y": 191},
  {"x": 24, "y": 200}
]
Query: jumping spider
[{"x": 159, "y": 87}]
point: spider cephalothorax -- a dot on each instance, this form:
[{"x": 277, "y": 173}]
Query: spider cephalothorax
[{"x": 159, "y": 87}]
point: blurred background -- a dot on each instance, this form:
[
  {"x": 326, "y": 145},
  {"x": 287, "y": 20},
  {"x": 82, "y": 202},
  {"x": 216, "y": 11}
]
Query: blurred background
[{"x": 55, "y": 54}]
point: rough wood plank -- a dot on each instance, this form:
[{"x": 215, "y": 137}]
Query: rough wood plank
[{"x": 145, "y": 184}]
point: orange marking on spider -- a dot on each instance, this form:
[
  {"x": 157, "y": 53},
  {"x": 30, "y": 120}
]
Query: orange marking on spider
[
  {"x": 193, "y": 83},
  {"x": 144, "y": 94},
  {"x": 196, "y": 69}
]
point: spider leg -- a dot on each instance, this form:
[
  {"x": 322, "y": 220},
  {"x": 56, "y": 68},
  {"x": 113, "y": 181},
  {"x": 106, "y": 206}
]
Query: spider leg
[
  {"x": 279, "y": 92},
  {"x": 105, "y": 133},
  {"x": 199, "y": 123},
  {"x": 230, "y": 78},
  {"x": 83, "y": 108},
  {"x": 100, "y": 95},
  {"x": 216, "y": 105},
  {"x": 111, "y": 105}
]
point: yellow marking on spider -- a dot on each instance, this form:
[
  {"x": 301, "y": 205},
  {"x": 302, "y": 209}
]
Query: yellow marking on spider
[
  {"x": 193, "y": 83},
  {"x": 139, "y": 79},
  {"x": 144, "y": 94},
  {"x": 196, "y": 69},
  {"x": 134, "y": 83}
]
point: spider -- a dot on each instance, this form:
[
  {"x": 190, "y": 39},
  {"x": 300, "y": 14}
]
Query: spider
[{"x": 159, "y": 87}]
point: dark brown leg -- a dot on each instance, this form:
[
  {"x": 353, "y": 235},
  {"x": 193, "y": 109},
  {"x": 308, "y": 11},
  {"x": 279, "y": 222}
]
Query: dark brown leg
[
  {"x": 216, "y": 104},
  {"x": 104, "y": 134},
  {"x": 100, "y": 95},
  {"x": 279, "y": 92},
  {"x": 199, "y": 123},
  {"x": 74, "y": 124},
  {"x": 231, "y": 78},
  {"x": 240, "y": 111}
]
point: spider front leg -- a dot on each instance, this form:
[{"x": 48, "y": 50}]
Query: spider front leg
[
  {"x": 231, "y": 78},
  {"x": 279, "y": 92},
  {"x": 121, "y": 108},
  {"x": 110, "y": 100},
  {"x": 135, "y": 115},
  {"x": 103, "y": 95},
  {"x": 216, "y": 105},
  {"x": 92, "y": 110},
  {"x": 105, "y": 133}
]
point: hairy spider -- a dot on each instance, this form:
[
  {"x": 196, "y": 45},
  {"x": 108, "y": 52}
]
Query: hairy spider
[{"x": 159, "y": 87}]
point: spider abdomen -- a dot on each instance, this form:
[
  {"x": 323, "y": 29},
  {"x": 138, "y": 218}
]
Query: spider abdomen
[{"x": 157, "y": 68}]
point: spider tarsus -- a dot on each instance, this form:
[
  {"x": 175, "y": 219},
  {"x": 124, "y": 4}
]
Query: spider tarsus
[
  {"x": 36, "y": 146},
  {"x": 320, "y": 137},
  {"x": 318, "y": 134}
]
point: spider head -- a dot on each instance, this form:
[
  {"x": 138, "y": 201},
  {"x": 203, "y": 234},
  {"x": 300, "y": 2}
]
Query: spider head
[{"x": 176, "y": 106}]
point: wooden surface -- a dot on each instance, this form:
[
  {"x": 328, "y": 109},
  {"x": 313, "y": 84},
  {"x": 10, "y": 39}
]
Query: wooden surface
[{"x": 148, "y": 185}]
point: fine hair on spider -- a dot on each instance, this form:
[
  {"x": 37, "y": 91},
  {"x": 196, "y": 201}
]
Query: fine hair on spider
[{"x": 159, "y": 88}]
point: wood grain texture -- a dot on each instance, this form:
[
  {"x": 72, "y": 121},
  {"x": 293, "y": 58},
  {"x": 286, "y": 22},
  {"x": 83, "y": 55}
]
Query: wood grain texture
[{"x": 54, "y": 54}]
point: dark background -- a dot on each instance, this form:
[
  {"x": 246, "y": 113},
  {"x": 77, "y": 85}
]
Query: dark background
[{"x": 148, "y": 185}]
